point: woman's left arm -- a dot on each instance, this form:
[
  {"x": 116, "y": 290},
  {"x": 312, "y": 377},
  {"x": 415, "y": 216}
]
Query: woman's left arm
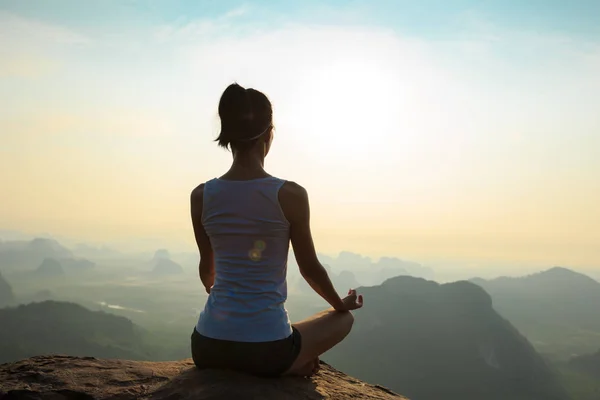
[{"x": 207, "y": 261}]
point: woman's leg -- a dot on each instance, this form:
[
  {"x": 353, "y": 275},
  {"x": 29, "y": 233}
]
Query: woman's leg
[{"x": 319, "y": 333}]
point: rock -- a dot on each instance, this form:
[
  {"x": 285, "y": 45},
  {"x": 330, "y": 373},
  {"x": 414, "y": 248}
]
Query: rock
[{"x": 86, "y": 378}]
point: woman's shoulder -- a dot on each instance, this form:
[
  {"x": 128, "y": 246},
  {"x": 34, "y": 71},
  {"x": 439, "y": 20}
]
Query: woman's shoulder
[
  {"x": 197, "y": 194},
  {"x": 198, "y": 191},
  {"x": 293, "y": 199},
  {"x": 293, "y": 189}
]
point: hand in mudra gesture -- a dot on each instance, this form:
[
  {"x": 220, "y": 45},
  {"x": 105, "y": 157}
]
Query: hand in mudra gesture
[{"x": 352, "y": 301}]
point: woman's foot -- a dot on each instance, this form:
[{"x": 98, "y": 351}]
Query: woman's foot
[
  {"x": 316, "y": 366},
  {"x": 309, "y": 369}
]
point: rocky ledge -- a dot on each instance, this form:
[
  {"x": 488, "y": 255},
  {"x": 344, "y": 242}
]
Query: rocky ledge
[{"x": 87, "y": 378}]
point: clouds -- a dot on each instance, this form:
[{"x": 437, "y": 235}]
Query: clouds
[
  {"x": 15, "y": 29},
  {"x": 29, "y": 47},
  {"x": 451, "y": 136}
]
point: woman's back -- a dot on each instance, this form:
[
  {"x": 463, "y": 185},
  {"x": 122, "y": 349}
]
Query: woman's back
[
  {"x": 244, "y": 223},
  {"x": 250, "y": 238}
]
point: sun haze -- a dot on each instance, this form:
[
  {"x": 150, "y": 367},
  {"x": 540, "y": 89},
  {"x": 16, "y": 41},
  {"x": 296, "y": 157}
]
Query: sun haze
[{"x": 446, "y": 130}]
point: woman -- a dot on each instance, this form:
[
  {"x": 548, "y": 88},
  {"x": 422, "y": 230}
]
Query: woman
[{"x": 243, "y": 223}]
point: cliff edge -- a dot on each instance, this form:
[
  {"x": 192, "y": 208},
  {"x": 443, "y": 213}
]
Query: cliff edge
[{"x": 60, "y": 377}]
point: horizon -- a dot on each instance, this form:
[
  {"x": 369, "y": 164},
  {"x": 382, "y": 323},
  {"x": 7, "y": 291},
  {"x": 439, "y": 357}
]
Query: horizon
[
  {"x": 444, "y": 130},
  {"x": 442, "y": 270}
]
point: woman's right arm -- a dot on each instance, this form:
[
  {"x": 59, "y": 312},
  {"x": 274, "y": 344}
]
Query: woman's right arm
[
  {"x": 294, "y": 203},
  {"x": 206, "y": 267}
]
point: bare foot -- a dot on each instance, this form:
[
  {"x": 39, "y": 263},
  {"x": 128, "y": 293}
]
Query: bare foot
[
  {"x": 308, "y": 369},
  {"x": 316, "y": 366}
]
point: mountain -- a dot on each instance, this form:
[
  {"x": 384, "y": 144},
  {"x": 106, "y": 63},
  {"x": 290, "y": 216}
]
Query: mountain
[
  {"x": 67, "y": 328},
  {"x": 162, "y": 254},
  {"x": 342, "y": 282},
  {"x": 162, "y": 264},
  {"x": 390, "y": 267},
  {"x": 27, "y": 255},
  {"x": 166, "y": 267},
  {"x": 19, "y": 255},
  {"x": 77, "y": 264},
  {"x": 433, "y": 341},
  {"x": 7, "y": 297},
  {"x": 95, "y": 252},
  {"x": 50, "y": 268},
  {"x": 557, "y": 309},
  {"x": 368, "y": 272},
  {"x": 345, "y": 280}
]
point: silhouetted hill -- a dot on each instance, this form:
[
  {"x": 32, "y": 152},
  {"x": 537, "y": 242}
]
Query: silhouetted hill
[
  {"x": 22, "y": 255},
  {"x": 50, "y": 268},
  {"x": 163, "y": 266},
  {"x": 442, "y": 342},
  {"x": 346, "y": 279},
  {"x": 390, "y": 267},
  {"x": 557, "y": 309},
  {"x": 367, "y": 272},
  {"x": 66, "y": 328},
  {"x": 95, "y": 252},
  {"x": 343, "y": 281},
  {"x": 162, "y": 254},
  {"x": 7, "y": 297},
  {"x": 30, "y": 255},
  {"x": 77, "y": 264}
]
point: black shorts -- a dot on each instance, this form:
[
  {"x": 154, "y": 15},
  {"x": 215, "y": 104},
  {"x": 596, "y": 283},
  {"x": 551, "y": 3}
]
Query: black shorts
[{"x": 268, "y": 359}]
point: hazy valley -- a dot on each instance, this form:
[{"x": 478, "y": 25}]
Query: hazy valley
[{"x": 531, "y": 337}]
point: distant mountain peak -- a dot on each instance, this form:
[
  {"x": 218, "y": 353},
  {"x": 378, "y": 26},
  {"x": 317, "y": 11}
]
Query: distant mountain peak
[
  {"x": 562, "y": 273},
  {"x": 405, "y": 279},
  {"x": 462, "y": 291},
  {"x": 552, "y": 274},
  {"x": 50, "y": 267},
  {"x": 560, "y": 270},
  {"x": 165, "y": 266}
]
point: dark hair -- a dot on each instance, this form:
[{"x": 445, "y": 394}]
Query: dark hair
[{"x": 245, "y": 115}]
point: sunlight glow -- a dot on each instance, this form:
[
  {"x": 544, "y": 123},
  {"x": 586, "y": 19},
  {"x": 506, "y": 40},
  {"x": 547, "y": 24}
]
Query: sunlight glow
[{"x": 348, "y": 106}]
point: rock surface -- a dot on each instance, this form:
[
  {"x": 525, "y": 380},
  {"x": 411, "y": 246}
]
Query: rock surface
[{"x": 87, "y": 378}]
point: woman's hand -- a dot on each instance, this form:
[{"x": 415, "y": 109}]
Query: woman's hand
[{"x": 352, "y": 301}]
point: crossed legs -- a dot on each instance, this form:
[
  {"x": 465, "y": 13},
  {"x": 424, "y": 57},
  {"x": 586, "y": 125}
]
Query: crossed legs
[{"x": 319, "y": 333}]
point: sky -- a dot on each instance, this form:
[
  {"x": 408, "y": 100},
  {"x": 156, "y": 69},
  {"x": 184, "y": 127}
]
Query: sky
[{"x": 431, "y": 130}]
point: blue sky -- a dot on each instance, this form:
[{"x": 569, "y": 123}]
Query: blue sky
[{"x": 424, "y": 17}]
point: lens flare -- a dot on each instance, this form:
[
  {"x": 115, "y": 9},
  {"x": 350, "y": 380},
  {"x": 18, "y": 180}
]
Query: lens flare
[{"x": 254, "y": 254}]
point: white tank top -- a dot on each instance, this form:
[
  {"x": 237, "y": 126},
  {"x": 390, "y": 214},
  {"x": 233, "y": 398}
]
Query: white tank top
[{"x": 250, "y": 238}]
